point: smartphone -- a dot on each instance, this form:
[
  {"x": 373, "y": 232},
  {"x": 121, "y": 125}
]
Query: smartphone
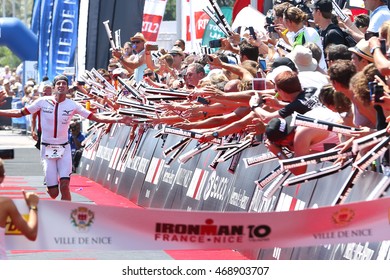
[
  {"x": 252, "y": 32},
  {"x": 215, "y": 43},
  {"x": 259, "y": 84},
  {"x": 383, "y": 46},
  {"x": 202, "y": 100},
  {"x": 376, "y": 91},
  {"x": 262, "y": 64}
]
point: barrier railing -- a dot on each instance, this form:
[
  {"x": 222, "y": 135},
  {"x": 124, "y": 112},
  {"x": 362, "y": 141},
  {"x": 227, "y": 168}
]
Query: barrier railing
[{"x": 142, "y": 170}]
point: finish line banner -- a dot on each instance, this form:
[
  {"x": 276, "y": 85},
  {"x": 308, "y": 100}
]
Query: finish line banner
[{"x": 69, "y": 226}]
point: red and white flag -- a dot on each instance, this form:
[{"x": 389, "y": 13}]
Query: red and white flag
[{"x": 153, "y": 14}]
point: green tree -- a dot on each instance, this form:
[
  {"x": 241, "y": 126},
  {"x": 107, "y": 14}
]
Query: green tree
[
  {"x": 8, "y": 58},
  {"x": 170, "y": 10}
]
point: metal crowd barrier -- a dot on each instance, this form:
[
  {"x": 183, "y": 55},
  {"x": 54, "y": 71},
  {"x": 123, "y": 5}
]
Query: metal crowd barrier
[{"x": 146, "y": 170}]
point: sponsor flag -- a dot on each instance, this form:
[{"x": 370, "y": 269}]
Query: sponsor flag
[
  {"x": 194, "y": 21},
  {"x": 46, "y": 19},
  {"x": 153, "y": 14},
  {"x": 212, "y": 31},
  {"x": 35, "y": 18},
  {"x": 63, "y": 37}
]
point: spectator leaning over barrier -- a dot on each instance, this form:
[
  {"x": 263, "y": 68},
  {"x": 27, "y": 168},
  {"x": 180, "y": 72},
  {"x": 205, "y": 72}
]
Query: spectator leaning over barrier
[
  {"x": 380, "y": 59},
  {"x": 337, "y": 102},
  {"x": 56, "y": 114},
  {"x": 361, "y": 92},
  {"x": 194, "y": 73},
  {"x": 301, "y": 140},
  {"x": 137, "y": 62},
  {"x": 29, "y": 227},
  {"x": 291, "y": 98},
  {"x": 340, "y": 74}
]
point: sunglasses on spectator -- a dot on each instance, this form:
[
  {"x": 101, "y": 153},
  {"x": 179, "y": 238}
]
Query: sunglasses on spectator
[
  {"x": 136, "y": 42},
  {"x": 148, "y": 74}
]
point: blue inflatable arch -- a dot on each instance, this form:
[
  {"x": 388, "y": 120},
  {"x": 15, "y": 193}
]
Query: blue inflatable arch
[{"x": 19, "y": 39}]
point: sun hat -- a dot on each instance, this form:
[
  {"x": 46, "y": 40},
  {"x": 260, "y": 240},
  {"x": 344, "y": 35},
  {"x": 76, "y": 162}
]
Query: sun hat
[{"x": 303, "y": 58}]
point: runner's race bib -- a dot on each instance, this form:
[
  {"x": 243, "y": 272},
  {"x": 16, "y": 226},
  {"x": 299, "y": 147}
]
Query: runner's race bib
[{"x": 54, "y": 151}]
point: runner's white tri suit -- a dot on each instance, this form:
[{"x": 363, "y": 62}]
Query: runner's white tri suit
[
  {"x": 55, "y": 120},
  {"x": 3, "y": 255}
]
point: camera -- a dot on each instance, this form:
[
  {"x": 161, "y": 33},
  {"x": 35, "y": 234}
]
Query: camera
[
  {"x": 368, "y": 35},
  {"x": 376, "y": 92},
  {"x": 271, "y": 28},
  {"x": 215, "y": 43},
  {"x": 252, "y": 32},
  {"x": 7, "y": 153}
]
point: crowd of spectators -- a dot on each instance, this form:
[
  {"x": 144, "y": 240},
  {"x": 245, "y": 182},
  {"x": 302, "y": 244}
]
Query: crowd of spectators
[{"x": 316, "y": 64}]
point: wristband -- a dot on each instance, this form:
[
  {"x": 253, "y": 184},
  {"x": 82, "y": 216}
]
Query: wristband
[
  {"x": 35, "y": 208},
  {"x": 255, "y": 106},
  {"x": 373, "y": 49}
]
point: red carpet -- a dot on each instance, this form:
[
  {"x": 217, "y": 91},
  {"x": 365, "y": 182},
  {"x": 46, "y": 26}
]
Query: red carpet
[{"x": 103, "y": 196}]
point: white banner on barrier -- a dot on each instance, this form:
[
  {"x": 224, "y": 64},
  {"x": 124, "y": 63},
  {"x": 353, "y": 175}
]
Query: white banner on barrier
[{"x": 69, "y": 226}]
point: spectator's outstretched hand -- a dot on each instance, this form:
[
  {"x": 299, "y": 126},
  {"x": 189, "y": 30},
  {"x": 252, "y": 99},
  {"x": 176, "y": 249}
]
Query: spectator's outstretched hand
[
  {"x": 257, "y": 127},
  {"x": 3, "y": 95},
  {"x": 206, "y": 137}
]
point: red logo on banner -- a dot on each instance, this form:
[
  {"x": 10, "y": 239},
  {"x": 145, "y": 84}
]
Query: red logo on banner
[
  {"x": 201, "y": 20},
  {"x": 151, "y": 27}
]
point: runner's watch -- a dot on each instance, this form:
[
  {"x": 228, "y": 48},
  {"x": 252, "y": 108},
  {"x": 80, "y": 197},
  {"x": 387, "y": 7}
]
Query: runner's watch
[{"x": 215, "y": 134}]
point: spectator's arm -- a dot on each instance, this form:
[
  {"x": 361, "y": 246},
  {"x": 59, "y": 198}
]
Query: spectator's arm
[{"x": 380, "y": 60}]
